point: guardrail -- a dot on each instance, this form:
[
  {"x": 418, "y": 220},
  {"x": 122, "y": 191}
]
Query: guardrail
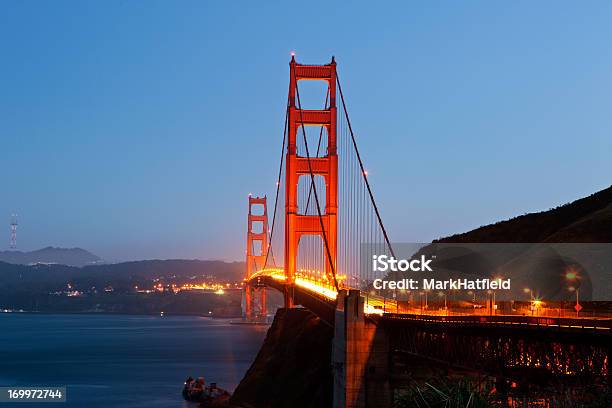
[{"x": 604, "y": 325}]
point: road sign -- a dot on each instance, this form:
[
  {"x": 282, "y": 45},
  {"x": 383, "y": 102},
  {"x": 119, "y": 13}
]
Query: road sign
[{"x": 578, "y": 307}]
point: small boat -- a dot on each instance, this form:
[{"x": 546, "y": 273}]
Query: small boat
[{"x": 198, "y": 391}]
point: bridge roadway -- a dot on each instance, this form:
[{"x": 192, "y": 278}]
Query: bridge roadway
[
  {"x": 322, "y": 301},
  {"x": 527, "y": 350}
]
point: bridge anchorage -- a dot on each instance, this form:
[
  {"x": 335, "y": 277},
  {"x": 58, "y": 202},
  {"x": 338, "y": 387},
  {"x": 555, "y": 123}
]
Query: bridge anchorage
[{"x": 332, "y": 226}]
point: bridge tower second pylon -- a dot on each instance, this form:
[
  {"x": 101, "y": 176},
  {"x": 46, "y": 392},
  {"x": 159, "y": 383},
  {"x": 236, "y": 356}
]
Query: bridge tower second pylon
[{"x": 257, "y": 248}]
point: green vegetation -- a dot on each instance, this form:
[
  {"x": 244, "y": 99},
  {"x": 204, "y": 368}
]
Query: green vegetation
[
  {"x": 464, "y": 394},
  {"x": 460, "y": 394}
]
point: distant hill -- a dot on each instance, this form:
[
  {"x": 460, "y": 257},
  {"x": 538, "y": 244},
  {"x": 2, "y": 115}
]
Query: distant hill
[
  {"x": 111, "y": 288},
  {"x": 124, "y": 275},
  {"x": 585, "y": 220},
  {"x": 51, "y": 255}
]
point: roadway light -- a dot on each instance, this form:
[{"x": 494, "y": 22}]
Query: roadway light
[
  {"x": 535, "y": 305},
  {"x": 443, "y": 295},
  {"x": 571, "y": 275},
  {"x": 492, "y": 301},
  {"x": 577, "y": 307}
]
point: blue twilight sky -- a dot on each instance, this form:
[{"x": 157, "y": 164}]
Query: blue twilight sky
[{"x": 136, "y": 129}]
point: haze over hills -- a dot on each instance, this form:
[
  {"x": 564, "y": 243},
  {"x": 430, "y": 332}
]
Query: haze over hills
[{"x": 51, "y": 255}]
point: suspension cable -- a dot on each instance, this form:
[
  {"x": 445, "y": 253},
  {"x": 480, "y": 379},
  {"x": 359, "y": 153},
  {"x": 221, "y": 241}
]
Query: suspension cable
[
  {"x": 348, "y": 121},
  {"x": 278, "y": 184}
]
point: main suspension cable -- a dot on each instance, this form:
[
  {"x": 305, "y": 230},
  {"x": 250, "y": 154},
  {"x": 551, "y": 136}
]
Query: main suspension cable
[{"x": 278, "y": 184}]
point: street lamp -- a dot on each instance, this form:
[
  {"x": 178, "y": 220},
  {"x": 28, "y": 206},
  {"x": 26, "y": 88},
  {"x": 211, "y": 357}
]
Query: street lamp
[
  {"x": 535, "y": 305},
  {"x": 530, "y": 292},
  {"x": 573, "y": 277},
  {"x": 421, "y": 301},
  {"x": 492, "y": 301},
  {"x": 577, "y": 307},
  {"x": 494, "y": 306},
  {"x": 442, "y": 294}
]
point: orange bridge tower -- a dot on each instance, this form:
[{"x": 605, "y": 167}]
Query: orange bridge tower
[
  {"x": 297, "y": 223},
  {"x": 257, "y": 247}
]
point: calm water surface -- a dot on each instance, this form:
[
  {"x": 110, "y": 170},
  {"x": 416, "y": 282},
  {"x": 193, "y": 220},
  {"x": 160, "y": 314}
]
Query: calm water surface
[{"x": 122, "y": 361}]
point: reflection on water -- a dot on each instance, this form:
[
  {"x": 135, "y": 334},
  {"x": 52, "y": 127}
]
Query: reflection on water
[{"x": 122, "y": 361}]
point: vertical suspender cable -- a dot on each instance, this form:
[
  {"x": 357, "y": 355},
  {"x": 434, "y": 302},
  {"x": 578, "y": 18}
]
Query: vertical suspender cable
[{"x": 348, "y": 121}]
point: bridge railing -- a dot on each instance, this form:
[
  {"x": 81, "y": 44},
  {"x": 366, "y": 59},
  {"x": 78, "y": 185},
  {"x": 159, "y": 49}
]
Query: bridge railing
[
  {"x": 376, "y": 304},
  {"x": 569, "y": 323}
]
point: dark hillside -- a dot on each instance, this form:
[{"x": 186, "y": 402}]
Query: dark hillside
[
  {"x": 293, "y": 367},
  {"x": 547, "y": 253},
  {"x": 585, "y": 220}
]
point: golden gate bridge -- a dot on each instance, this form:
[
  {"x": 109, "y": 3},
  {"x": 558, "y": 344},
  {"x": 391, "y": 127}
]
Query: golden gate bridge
[
  {"x": 325, "y": 223},
  {"x": 312, "y": 244}
]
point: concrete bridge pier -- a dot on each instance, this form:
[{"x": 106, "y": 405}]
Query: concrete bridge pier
[{"x": 360, "y": 356}]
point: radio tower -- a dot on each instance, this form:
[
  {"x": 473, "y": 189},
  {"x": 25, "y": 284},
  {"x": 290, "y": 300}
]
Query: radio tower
[{"x": 13, "y": 244}]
